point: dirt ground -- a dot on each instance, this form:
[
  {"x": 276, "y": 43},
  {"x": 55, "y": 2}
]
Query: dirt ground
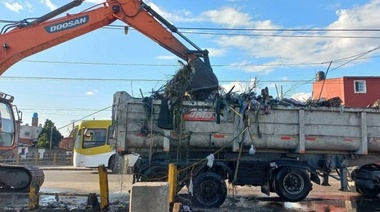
[{"x": 66, "y": 190}]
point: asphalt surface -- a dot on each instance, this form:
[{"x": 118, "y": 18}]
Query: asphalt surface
[{"x": 67, "y": 188}]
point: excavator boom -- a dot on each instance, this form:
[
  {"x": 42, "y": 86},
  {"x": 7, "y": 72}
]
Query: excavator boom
[
  {"x": 46, "y": 32},
  {"x": 24, "y": 38}
]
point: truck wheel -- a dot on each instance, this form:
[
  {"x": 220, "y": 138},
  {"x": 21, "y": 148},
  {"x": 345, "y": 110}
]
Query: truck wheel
[
  {"x": 292, "y": 184},
  {"x": 155, "y": 174},
  {"x": 115, "y": 164},
  {"x": 358, "y": 189},
  {"x": 368, "y": 192},
  {"x": 210, "y": 190}
]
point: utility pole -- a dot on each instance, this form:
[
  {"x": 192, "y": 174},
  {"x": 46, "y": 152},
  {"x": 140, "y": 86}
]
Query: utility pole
[{"x": 51, "y": 136}]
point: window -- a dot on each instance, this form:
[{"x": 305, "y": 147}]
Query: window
[
  {"x": 27, "y": 133},
  {"x": 94, "y": 137},
  {"x": 77, "y": 140},
  {"x": 360, "y": 86}
]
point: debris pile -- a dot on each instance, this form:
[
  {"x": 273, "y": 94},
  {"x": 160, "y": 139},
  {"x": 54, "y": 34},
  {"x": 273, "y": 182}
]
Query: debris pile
[{"x": 376, "y": 104}]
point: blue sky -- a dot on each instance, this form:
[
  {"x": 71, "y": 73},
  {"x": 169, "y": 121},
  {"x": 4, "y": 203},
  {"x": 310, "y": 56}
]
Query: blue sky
[{"x": 107, "y": 60}]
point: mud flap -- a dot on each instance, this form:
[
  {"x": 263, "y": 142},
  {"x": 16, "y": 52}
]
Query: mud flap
[
  {"x": 265, "y": 188},
  {"x": 314, "y": 177}
]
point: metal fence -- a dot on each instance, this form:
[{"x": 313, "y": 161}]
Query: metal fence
[{"x": 38, "y": 159}]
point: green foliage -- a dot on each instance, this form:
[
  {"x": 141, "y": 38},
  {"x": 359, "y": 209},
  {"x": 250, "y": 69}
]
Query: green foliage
[
  {"x": 43, "y": 141},
  {"x": 49, "y": 131}
]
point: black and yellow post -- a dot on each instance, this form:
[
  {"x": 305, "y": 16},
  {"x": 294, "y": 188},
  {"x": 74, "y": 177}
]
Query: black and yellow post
[{"x": 103, "y": 185}]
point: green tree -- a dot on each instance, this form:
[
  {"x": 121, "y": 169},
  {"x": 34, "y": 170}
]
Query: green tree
[
  {"x": 49, "y": 131},
  {"x": 43, "y": 141}
]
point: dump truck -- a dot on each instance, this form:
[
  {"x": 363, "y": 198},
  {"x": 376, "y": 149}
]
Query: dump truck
[{"x": 282, "y": 148}]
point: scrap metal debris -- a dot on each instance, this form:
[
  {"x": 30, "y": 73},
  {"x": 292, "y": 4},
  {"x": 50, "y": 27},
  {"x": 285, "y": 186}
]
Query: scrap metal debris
[{"x": 376, "y": 104}]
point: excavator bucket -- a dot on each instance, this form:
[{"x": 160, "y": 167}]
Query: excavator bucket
[
  {"x": 204, "y": 79},
  {"x": 195, "y": 78}
]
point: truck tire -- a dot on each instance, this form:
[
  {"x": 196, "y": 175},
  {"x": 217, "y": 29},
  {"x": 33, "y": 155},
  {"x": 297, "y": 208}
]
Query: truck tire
[
  {"x": 210, "y": 190},
  {"x": 367, "y": 174},
  {"x": 155, "y": 174},
  {"x": 115, "y": 164},
  {"x": 292, "y": 184},
  {"x": 366, "y": 191}
]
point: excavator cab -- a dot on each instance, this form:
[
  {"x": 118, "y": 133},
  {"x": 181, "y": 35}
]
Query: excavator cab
[
  {"x": 14, "y": 178},
  {"x": 7, "y": 123}
]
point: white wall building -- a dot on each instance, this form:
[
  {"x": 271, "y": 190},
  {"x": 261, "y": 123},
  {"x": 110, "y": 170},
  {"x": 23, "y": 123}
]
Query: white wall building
[{"x": 31, "y": 132}]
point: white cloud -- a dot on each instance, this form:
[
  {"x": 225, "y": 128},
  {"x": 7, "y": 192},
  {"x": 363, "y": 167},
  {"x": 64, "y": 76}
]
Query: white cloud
[
  {"x": 247, "y": 66},
  {"x": 167, "y": 57},
  {"x": 13, "y": 6},
  {"x": 301, "y": 96},
  {"x": 91, "y": 93},
  {"x": 228, "y": 16},
  {"x": 240, "y": 87},
  {"x": 49, "y": 4},
  {"x": 95, "y": 1},
  {"x": 213, "y": 52},
  {"x": 279, "y": 49},
  {"x": 28, "y": 5}
]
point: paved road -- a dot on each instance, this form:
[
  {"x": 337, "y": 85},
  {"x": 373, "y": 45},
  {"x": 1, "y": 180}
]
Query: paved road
[{"x": 75, "y": 185}]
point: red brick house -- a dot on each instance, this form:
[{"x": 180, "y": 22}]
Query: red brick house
[
  {"x": 67, "y": 143},
  {"x": 354, "y": 91}
]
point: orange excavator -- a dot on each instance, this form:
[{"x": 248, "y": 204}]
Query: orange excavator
[{"x": 24, "y": 38}]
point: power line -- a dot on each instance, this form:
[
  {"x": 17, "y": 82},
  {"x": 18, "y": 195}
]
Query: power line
[
  {"x": 96, "y": 63},
  {"x": 86, "y": 116},
  {"x": 353, "y": 58},
  {"x": 278, "y": 29},
  {"x": 163, "y": 65},
  {"x": 283, "y": 36},
  {"x": 171, "y": 65},
  {"x": 217, "y": 31},
  {"x": 267, "y": 29},
  {"x": 116, "y": 26},
  {"x": 123, "y": 80}
]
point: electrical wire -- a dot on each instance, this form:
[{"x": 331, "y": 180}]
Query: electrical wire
[
  {"x": 132, "y": 80},
  {"x": 353, "y": 58},
  {"x": 283, "y": 36},
  {"x": 246, "y": 30},
  {"x": 86, "y": 117},
  {"x": 171, "y": 65}
]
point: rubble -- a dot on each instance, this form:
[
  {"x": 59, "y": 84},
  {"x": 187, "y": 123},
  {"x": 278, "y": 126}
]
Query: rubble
[
  {"x": 376, "y": 104},
  {"x": 63, "y": 203}
]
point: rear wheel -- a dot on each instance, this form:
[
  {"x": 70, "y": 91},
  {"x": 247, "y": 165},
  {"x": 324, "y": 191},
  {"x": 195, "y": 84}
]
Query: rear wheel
[
  {"x": 155, "y": 174},
  {"x": 210, "y": 190},
  {"x": 292, "y": 184},
  {"x": 116, "y": 164},
  {"x": 367, "y": 191}
]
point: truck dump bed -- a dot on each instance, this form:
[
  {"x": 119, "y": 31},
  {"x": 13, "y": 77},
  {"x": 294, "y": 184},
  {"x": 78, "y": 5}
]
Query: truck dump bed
[{"x": 290, "y": 129}]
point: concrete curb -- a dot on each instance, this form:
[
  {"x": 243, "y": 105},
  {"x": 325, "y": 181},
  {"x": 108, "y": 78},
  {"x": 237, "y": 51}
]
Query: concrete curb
[{"x": 66, "y": 168}]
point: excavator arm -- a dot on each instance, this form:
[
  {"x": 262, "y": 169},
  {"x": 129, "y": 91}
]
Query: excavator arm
[{"x": 24, "y": 38}]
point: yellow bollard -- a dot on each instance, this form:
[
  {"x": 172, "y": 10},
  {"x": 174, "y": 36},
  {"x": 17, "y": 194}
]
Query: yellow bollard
[
  {"x": 177, "y": 207},
  {"x": 34, "y": 196},
  {"x": 54, "y": 158},
  {"x": 172, "y": 179},
  {"x": 17, "y": 159},
  {"x": 35, "y": 158},
  {"x": 103, "y": 185}
]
